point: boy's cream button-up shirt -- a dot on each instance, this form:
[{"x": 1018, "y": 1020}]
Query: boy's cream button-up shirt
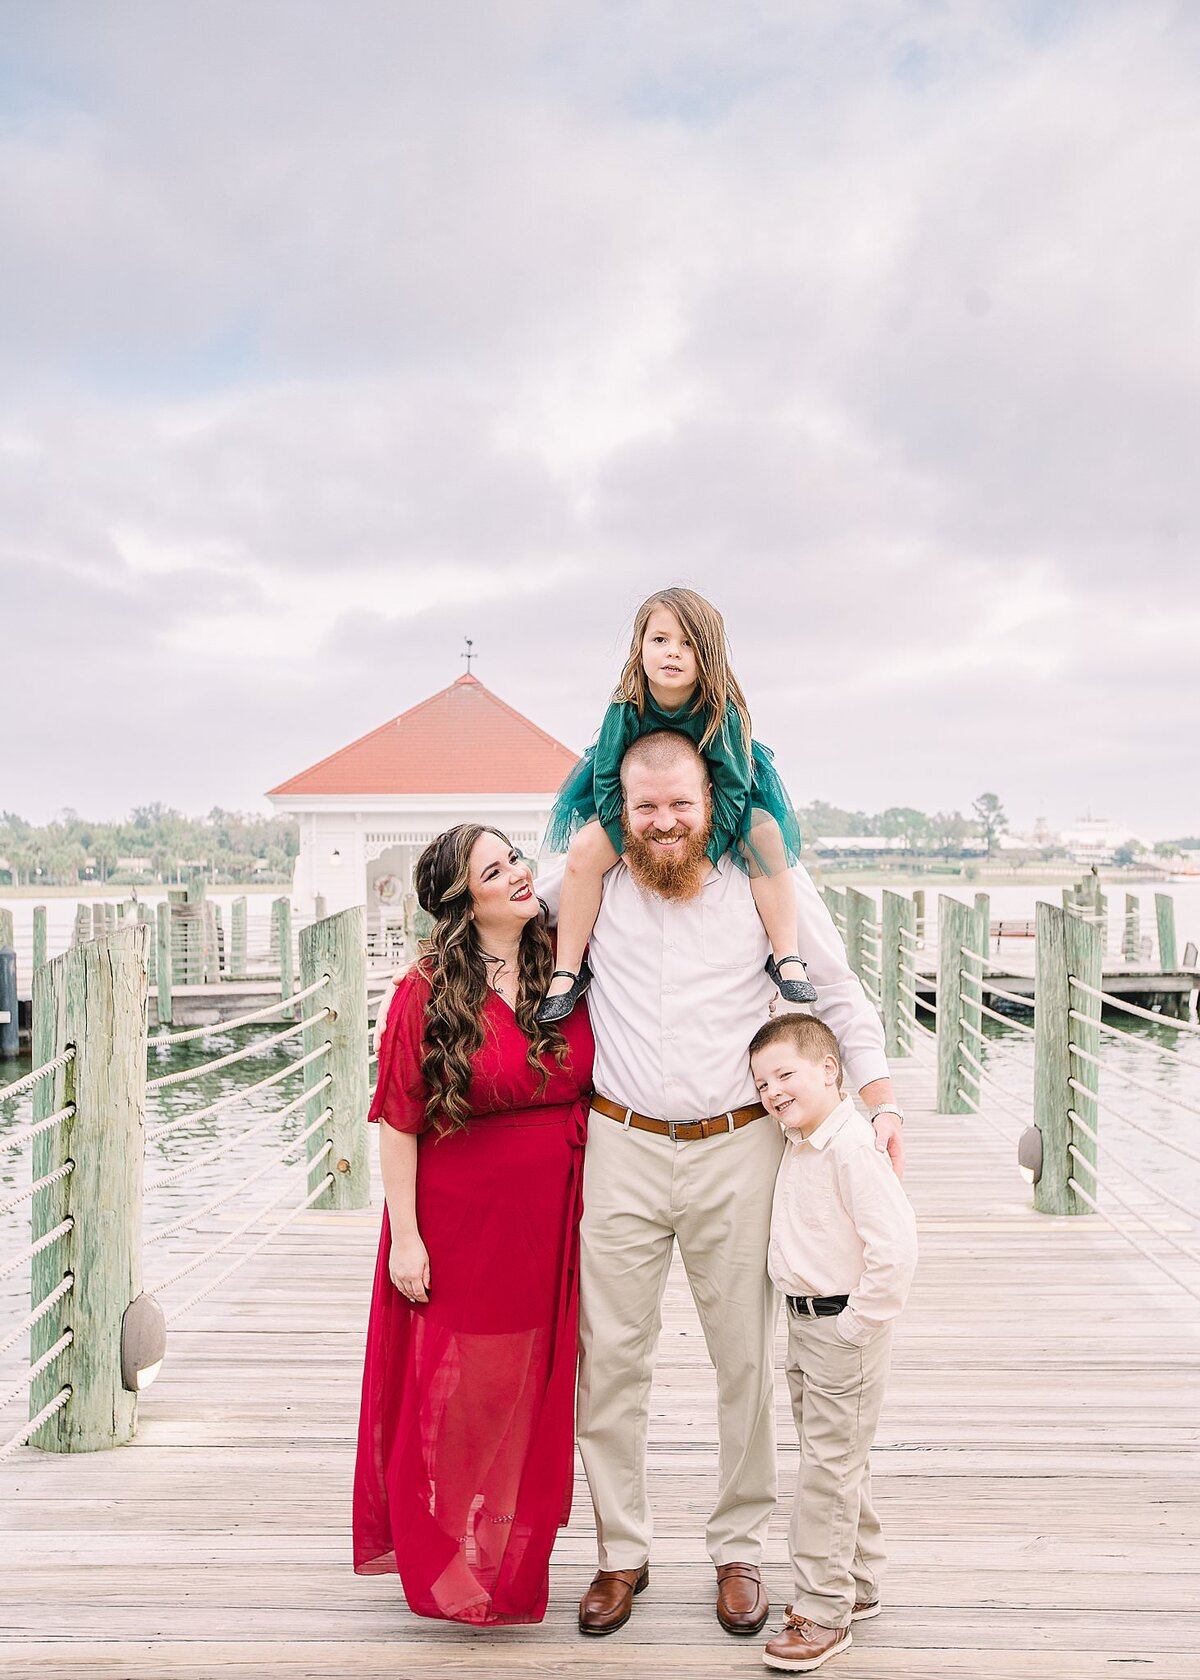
[{"x": 841, "y": 1223}]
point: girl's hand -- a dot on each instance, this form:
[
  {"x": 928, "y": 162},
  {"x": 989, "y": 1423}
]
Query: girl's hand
[
  {"x": 408, "y": 1267},
  {"x": 385, "y": 1004}
]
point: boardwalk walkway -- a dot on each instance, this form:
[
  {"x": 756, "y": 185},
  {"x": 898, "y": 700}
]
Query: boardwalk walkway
[{"x": 1037, "y": 1473}]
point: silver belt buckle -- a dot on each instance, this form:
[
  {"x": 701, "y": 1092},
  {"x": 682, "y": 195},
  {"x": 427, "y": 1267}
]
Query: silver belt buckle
[{"x": 671, "y": 1131}]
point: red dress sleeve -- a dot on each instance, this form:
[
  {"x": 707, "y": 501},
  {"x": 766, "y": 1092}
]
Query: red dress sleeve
[{"x": 401, "y": 1092}]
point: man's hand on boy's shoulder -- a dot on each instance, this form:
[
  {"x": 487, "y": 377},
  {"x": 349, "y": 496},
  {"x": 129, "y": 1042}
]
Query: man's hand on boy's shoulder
[{"x": 889, "y": 1139}]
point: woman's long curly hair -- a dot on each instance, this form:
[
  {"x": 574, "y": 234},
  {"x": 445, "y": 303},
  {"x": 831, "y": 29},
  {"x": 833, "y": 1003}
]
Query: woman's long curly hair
[{"x": 453, "y": 963}]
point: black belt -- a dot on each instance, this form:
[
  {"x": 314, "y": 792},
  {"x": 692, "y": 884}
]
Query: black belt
[{"x": 817, "y": 1306}]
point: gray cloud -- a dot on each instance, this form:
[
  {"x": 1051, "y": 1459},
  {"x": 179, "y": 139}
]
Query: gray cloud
[{"x": 328, "y": 339}]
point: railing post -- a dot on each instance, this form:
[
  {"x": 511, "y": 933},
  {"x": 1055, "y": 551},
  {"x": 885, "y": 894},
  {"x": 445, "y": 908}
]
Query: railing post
[
  {"x": 237, "y": 940},
  {"x": 40, "y": 937},
  {"x": 1164, "y": 913},
  {"x": 145, "y": 918},
  {"x": 282, "y": 921},
  {"x": 337, "y": 947},
  {"x": 860, "y": 909},
  {"x": 1067, "y": 946},
  {"x": 897, "y": 969},
  {"x": 835, "y": 903},
  {"x": 983, "y": 909},
  {"x": 164, "y": 972},
  {"x": 957, "y": 990},
  {"x": 82, "y": 931},
  {"x": 94, "y": 997},
  {"x": 211, "y": 945},
  {"x": 919, "y": 912},
  {"x": 10, "y": 1030},
  {"x": 1131, "y": 943},
  {"x": 7, "y": 932}
]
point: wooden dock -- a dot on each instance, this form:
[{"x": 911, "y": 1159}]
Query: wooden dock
[{"x": 1036, "y": 1471}]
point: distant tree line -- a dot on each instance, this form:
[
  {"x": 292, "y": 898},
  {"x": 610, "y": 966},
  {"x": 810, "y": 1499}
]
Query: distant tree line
[
  {"x": 154, "y": 844},
  {"x": 943, "y": 832}
]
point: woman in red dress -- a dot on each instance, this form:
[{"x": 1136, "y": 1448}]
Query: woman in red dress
[{"x": 466, "y": 1437}]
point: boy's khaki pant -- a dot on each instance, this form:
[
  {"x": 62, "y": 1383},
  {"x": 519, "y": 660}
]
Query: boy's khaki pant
[
  {"x": 834, "y": 1538},
  {"x": 642, "y": 1194}
]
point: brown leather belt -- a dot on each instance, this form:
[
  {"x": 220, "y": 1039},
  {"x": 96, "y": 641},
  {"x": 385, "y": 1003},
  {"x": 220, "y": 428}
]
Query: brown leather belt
[{"x": 679, "y": 1131}]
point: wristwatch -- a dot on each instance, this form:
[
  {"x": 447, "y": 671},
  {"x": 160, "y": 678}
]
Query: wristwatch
[{"x": 887, "y": 1108}]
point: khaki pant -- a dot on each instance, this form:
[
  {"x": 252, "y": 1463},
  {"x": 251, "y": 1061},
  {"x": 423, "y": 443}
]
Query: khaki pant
[
  {"x": 641, "y": 1194},
  {"x": 834, "y": 1538}
]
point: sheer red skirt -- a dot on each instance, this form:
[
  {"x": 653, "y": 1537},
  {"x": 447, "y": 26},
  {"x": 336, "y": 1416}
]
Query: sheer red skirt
[{"x": 466, "y": 1433}]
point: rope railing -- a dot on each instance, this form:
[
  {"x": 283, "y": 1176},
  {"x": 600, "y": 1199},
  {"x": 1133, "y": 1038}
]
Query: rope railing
[
  {"x": 17, "y": 1139},
  {"x": 1149, "y": 1254},
  {"x": 237, "y": 1189},
  {"x": 1146, "y": 1044},
  {"x": 167, "y": 1079},
  {"x": 29, "y": 1080},
  {"x": 231, "y": 1237},
  {"x": 45, "y": 1305},
  {"x": 162, "y": 1042},
  {"x": 1183, "y": 1248},
  {"x": 1150, "y": 1090},
  {"x": 38, "y": 1184},
  {"x": 1004, "y": 1020},
  {"x": 29, "y": 1430},
  {"x": 1025, "y": 1002},
  {"x": 982, "y": 1113},
  {"x": 1111, "y": 1154},
  {"x": 38, "y": 1366},
  {"x": 222, "y": 1149},
  {"x": 16, "y": 1261},
  {"x": 232, "y": 1097},
  {"x": 256, "y": 1248},
  {"x": 1171, "y": 1021}
]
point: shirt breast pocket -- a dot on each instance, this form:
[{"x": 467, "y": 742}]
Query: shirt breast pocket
[{"x": 731, "y": 936}]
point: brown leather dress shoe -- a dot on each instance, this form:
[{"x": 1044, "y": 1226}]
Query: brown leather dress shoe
[
  {"x": 742, "y": 1604},
  {"x": 608, "y": 1603},
  {"x": 804, "y": 1645}
]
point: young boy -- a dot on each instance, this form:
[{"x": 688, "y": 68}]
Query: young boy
[{"x": 843, "y": 1249}]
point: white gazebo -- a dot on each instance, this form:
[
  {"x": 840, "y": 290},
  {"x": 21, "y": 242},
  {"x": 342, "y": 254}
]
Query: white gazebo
[{"x": 366, "y": 811}]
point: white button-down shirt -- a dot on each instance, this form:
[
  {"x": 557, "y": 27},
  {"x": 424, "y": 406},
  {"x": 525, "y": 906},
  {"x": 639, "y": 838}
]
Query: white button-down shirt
[
  {"x": 841, "y": 1223},
  {"x": 679, "y": 990}
]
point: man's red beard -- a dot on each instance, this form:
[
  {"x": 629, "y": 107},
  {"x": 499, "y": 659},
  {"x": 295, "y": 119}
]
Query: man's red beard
[{"x": 677, "y": 872}]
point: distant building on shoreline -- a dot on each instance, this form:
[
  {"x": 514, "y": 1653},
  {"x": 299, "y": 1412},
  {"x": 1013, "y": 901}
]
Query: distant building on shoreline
[{"x": 367, "y": 811}]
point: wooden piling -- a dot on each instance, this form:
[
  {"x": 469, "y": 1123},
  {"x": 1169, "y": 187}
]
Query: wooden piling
[
  {"x": 1131, "y": 933},
  {"x": 94, "y": 997},
  {"x": 237, "y": 947},
  {"x": 958, "y": 994},
  {"x": 860, "y": 949},
  {"x": 1164, "y": 914},
  {"x": 1067, "y": 946},
  {"x": 281, "y": 912},
  {"x": 983, "y": 909},
  {"x": 899, "y": 918},
  {"x": 7, "y": 936},
  {"x": 919, "y": 911},
  {"x": 210, "y": 943},
  {"x": 165, "y": 966},
  {"x": 337, "y": 947},
  {"x": 40, "y": 947},
  {"x": 145, "y": 918}
]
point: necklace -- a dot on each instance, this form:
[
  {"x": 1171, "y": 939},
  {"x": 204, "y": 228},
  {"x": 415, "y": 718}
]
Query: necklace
[{"x": 499, "y": 979}]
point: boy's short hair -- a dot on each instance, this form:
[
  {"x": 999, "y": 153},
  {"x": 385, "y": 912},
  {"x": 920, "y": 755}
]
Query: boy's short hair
[{"x": 810, "y": 1037}]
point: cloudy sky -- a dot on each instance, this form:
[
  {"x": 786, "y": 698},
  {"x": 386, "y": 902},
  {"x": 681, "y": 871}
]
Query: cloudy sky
[{"x": 333, "y": 333}]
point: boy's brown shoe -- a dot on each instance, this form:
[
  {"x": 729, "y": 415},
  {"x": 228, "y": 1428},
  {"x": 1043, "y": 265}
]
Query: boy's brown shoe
[
  {"x": 742, "y": 1603},
  {"x": 804, "y": 1645},
  {"x": 865, "y": 1609},
  {"x": 608, "y": 1603}
]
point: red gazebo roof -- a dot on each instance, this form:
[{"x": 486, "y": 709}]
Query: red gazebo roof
[{"x": 461, "y": 740}]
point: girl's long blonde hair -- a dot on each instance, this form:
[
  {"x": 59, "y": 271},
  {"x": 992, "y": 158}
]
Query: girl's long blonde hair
[{"x": 717, "y": 689}]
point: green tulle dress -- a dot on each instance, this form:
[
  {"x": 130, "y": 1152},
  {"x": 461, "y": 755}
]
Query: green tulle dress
[{"x": 741, "y": 784}]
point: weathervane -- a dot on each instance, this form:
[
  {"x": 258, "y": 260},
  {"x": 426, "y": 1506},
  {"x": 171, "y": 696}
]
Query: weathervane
[{"x": 469, "y": 655}]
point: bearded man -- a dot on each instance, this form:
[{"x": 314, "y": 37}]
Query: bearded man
[{"x": 680, "y": 1151}]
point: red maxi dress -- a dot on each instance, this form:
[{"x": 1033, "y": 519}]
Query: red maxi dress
[{"x": 466, "y": 1433}]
